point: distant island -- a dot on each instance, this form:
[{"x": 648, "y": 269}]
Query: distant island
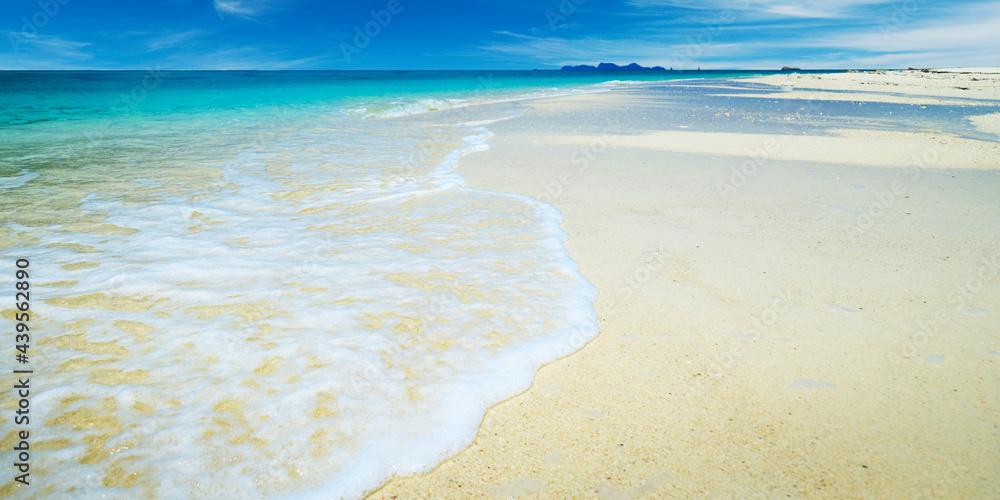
[
  {"x": 635, "y": 67},
  {"x": 612, "y": 67}
]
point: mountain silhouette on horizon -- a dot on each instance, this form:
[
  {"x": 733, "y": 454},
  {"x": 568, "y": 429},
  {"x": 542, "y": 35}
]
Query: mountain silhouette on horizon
[{"x": 612, "y": 67}]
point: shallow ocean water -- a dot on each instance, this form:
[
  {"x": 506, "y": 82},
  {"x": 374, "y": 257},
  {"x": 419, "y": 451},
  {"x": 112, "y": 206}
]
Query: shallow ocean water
[{"x": 250, "y": 285}]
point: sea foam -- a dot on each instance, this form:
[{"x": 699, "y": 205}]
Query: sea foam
[{"x": 332, "y": 309}]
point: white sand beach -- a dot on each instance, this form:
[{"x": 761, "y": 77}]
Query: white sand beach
[
  {"x": 786, "y": 311},
  {"x": 940, "y": 86}
]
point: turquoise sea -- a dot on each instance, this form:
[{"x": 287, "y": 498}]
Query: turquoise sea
[{"x": 267, "y": 284}]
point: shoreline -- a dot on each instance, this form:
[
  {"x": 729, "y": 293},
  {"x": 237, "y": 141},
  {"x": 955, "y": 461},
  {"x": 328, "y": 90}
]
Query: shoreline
[
  {"x": 942, "y": 86},
  {"x": 752, "y": 343}
]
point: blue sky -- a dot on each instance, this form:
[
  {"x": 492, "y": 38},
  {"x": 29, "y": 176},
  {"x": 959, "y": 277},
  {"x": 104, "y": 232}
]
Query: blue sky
[{"x": 480, "y": 34}]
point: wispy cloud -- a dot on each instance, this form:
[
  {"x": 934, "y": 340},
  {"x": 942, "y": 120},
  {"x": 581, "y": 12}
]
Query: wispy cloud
[
  {"x": 557, "y": 51},
  {"x": 50, "y": 46},
  {"x": 45, "y": 52},
  {"x": 244, "y": 57},
  {"x": 247, "y": 9},
  {"x": 827, "y": 9},
  {"x": 818, "y": 9},
  {"x": 515, "y": 35},
  {"x": 170, "y": 40},
  {"x": 774, "y": 33},
  {"x": 962, "y": 37}
]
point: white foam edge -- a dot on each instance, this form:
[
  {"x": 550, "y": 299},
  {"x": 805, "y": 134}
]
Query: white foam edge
[
  {"x": 462, "y": 417},
  {"x": 515, "y": 368},
  {"x": 592, "y": 88}
]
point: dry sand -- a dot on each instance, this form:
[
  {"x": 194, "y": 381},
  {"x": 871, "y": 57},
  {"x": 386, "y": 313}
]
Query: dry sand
[
  {"x": 876, "y": 148},
  {"x": 942, "y": 86},
  {"x": 771, "y": 325}
]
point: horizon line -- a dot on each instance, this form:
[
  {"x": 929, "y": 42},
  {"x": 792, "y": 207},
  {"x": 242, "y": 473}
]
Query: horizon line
[{"x": 647, "y": 70}]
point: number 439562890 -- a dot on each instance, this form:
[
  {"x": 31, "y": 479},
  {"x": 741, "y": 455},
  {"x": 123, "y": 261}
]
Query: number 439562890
[{"x": 22, "y": 301}]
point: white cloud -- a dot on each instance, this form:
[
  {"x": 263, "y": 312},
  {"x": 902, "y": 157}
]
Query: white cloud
[
  {"x": 48, "y": 46},
  {"x": 964, "y": 35},
  {"x": 247, "y": 9},
  {"x": 916, "y": 34},
  {"x": 772, "y": 8},
  {"x": 560, "y": 51},
  {"x": 173, "y": 39},
  {"x": 800, "y": 11},
  {"x": 514, "y": 34},
  {"x": 44, "y": 52},
  {"x": 244, "y": 57}
]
